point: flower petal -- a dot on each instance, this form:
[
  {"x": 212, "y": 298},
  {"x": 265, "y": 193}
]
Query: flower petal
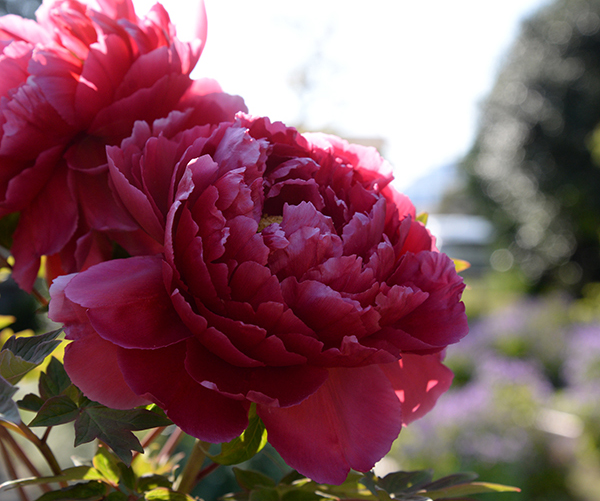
[
  {"x": 418, "y": 380},
  {"x": 91, "y": 363},
  {"x": 198, "y": 411},
  {"x": 127, "y": 303},
  {"x": 349, "y": 423}
]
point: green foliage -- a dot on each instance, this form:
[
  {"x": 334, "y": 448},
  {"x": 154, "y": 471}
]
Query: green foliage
[
  {"x": 404, "y": 486},
  {"x": 8, "y": 409},
  {"x": 244, "y": 447},
  {"x": 21, "y": 354},
  {"x": 18, "y": 356},
  {"x": 114, "y": 427},
  {"x": 108, "y": 479},
  {"x": 60, "y": 402}
]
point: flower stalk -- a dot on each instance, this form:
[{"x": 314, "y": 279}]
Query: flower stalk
[{"x": 188, "y": 478}]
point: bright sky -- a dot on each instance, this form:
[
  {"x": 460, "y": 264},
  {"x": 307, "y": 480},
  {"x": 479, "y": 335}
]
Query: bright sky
[{"x": 409, "y": 72}]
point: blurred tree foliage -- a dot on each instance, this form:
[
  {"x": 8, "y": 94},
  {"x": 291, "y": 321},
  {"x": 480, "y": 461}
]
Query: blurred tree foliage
[
  {"x": 535, "y": 167},
  {"x": 25, "y": 8}
]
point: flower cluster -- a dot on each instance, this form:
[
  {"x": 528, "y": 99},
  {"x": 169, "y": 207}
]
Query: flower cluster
[
  {"x": 262, "y": 268},
  {"x": 72, "y": 83}
]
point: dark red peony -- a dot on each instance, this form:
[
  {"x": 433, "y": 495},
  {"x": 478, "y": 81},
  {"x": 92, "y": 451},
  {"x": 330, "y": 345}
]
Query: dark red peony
[
  {"x": 70, "y": 84},
  {"x": 292, "y": 277}
]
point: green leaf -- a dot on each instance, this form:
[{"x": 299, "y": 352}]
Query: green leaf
[
  {"x": 116, "y": 496},
  {"x": 30, "y": 402},
  {"x": 8, "y": 409},
  {"x": 114, "y": 426},
  {"x": 423, "y": 217},
  {"x": 55, "y": 411},
  {"x": 75, "y": 473},
  {"x": 461, "y": 490},
  {"x": 405, "y": 481},
  {"x": 250, "y": 479},
  {"x": 291, "y": 477},
  {"x": 244, "y": 447},
  {"x": 21, "y": 354},
  {"x": 88, "y": 491},
  {"x": 298, "y": 495},
  {"x": 149, "y": 482},
  {"x": 127, "y": 476},
  {"x": 264, "y": 494},
  {"x": 164, "y": 494},
  {"x": 108, "y": 466},
  {"x": 450, "y": 480},
  {"x": 54, "y": 381},
  {"x": 12, "y": 367}
]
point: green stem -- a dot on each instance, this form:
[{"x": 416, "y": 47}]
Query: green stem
[{"x": 187, "y": 480}]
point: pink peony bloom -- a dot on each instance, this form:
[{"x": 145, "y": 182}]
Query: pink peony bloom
[
  {"x": 292, "y": 277},
  {"x": 70, "y": 84}
]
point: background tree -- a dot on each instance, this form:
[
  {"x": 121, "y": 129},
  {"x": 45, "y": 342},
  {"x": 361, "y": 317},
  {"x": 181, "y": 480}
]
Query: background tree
[{"x": 532, "y": 169}]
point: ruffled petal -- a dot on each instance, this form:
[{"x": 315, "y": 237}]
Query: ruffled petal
[
  {"x": 160, "y": 375},
  {"x": 127, "y": 303}
]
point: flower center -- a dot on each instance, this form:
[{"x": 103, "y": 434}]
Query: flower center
[{"x": 267, "y": 221}]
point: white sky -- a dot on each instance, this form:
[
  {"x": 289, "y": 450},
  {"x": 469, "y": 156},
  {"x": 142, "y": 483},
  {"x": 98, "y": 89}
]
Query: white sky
[{"x": 407, "y": 71}]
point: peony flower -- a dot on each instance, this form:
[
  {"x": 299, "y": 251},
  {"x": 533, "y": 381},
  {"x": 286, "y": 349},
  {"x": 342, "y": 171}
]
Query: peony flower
[
  {"x": 72, "y": 83},
  {"x": 293, "y": 277}
]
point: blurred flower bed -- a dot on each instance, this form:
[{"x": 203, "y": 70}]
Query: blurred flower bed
[{"x": 524, "y": 406}]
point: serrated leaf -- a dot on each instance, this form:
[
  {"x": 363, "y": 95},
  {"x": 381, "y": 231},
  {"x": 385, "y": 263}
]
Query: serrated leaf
[
  {"x": 8, "y": 409},
  {"x": 461, "y": 490},
  {"x": 21, "y": 354},
  {"x": 244, "y": 447},
  {"x": 30, "y": 402},
  {"x": 114, "y": 426},
  {"x": 143, "y": 419},
  {"x": 164, "y": 494},
  {"x": 54, "y": 381},
  {"x": 93, "y": 424},
  {"x": 250, "y": 479},
  {"x": 75, "y": 473},
  {"x": 461, "y": 265},
  {"x": 108, "y": 465},
  {"x": 88, "y": 491},
  {"x": 405, "y": 481},
  {"x": 55, "y": 411},
  {"x": 450, "y": 480}
]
